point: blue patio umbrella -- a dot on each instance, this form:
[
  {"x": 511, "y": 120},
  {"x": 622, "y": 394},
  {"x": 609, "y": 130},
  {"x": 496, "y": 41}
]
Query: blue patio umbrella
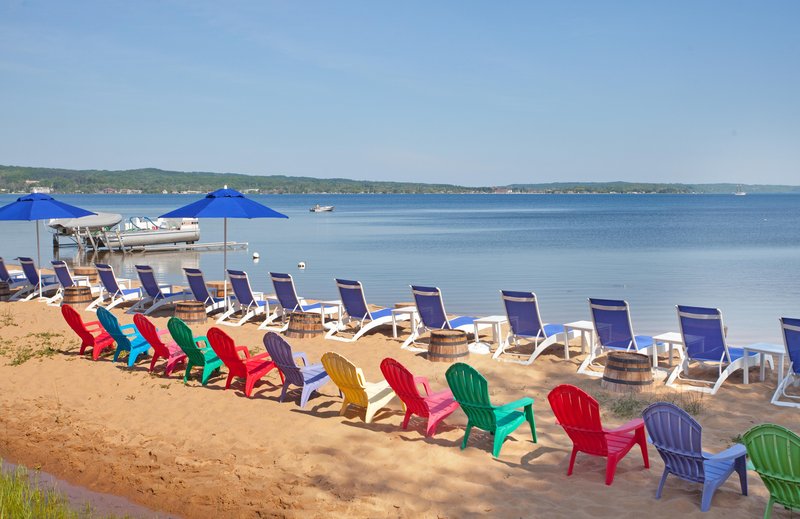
[
  {"x": 38, "y": 206},
  {"x": 224, "y": 203}
]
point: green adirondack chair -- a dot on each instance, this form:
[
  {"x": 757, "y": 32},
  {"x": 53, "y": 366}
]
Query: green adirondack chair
[
  {"x": 471, "y": 391},
  {"x": 774, "y": 452},
  {"x": 196, "y": 354}
]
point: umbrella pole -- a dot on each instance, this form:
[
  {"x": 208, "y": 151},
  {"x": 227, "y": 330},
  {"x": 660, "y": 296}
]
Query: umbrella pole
[
  {"x": 38, "y": 258},
  {"x": 225, "y": 260}
]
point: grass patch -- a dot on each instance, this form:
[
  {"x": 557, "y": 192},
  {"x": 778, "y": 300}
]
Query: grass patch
[
  {"x": 7, "y": 318},
  {"x": 34, "y": 345},
  {"x": 631, "y": 405},
  {"x": 22, "y": 496}
]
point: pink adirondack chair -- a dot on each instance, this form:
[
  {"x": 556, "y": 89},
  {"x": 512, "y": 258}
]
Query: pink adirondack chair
[
  {"x": 579, "y": 414},
  {"x": 251, "y": 369},
  {"x": 161, "y": 350},
  {"x": 433, "y": 406},
  {"x": 92, "y": 334}
]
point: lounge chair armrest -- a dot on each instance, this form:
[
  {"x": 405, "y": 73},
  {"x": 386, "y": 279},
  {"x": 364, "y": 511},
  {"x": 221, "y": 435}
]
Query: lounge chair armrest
[
  {"x": 245, "y": 350},
  {"x": 258, "y": 296},
  {"x": 731, "y": 453},
  {"x": 634, "y": 424},
  {"x": 424, "y": 382},
  {"x": 301, "y": 355},
  {"x": 516, "y": 404},
  {"x": 124, "y": 282}
]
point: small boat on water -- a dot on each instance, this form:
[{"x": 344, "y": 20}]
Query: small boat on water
[
  {"x": 739, "y": 191},
  {"x": 321, "y": 209}
]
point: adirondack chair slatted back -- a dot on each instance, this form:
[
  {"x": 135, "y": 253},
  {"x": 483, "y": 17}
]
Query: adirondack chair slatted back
[
  {"x": 148, "y": 280},
  {"x": 579, "y": 414},
  {"x": 703, "y": 333},
  {"x": 402, "y": 382},
  {"x": 612, "y": 322},
  {"x": 186, "y": 341},
  {"x": 281, "y": 354},
  {"x": 352, "y": 294},
  {"x": 285, "y": 291},
  {"x": 75, "y": 322},
  {"x": 62, "y": 273},
  {"x": 678, "y": 438},
  {"x": 197, "y": 285},
  {"x": 522, "y": 310},
  {"x": 107, "y": 278},
  {"x": 4, "y": 275},
  {"x": 471, "y": 391},
  {"x": 775, "y": 454},
  {"x": 791, "y": 339},
  {"x": 348, "y": 377},
  {"x": 111, "y": 325},
  {"x": 225, "y": 348},
  {"x": 29, "y": 268},
  {"x": 241, "y": 287},
  {"x": 150, "y": 333},
  {"x": 430, "y": 306}
]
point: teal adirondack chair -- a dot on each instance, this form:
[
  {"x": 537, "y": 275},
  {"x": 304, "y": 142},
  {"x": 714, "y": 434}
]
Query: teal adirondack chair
[
  {"x": 471, "y": 391},
  {"x": 774, "y": 452},
  {"x": 197, "y": 355}
]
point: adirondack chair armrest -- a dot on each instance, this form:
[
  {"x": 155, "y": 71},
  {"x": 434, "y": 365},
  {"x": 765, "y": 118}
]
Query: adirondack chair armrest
[
  {"x": 302, "y": 356},
  {"x": 731, "y": 453},
  {"x": 516, "y": 404},
  {"x": 634, "y": 424},
  {"x": 202, "y": 339},
  {"x": 93, "y": 324},
  {"x": 424, "y": 382},
  {"x": 129, "y": 329},
  {"x": 245, "y": 350}
]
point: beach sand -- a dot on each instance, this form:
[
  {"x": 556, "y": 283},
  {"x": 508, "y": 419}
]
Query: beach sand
[{"x": 208, "y": 452}]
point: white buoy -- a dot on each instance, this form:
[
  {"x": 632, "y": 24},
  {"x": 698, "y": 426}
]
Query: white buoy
[
  {"x": 256, "y": 255},
  {"x": 301, "y": 265}
]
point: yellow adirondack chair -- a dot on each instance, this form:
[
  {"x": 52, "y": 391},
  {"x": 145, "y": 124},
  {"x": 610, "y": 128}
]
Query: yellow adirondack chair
[{"x": 356, "y": 390}]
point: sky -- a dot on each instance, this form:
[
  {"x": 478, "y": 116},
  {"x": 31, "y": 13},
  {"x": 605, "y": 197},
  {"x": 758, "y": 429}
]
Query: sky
[{"x": 465, "y": 92}]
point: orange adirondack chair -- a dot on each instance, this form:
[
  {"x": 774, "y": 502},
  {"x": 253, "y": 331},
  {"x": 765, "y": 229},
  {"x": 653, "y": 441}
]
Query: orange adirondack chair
[
  {"x": 433, "y": 406},
  {"x": 251, "y": 369},
  {"x": 161, "y": 350},
  {"x": 92, "y": 334},
  {"x": 579, "y": 414}
]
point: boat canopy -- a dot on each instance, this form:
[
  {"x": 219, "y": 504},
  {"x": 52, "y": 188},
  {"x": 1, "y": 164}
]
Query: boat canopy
[{"x": 95, "y": 221}]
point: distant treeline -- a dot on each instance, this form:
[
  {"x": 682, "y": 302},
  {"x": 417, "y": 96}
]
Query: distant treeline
[{"x": 18, "y": 179}]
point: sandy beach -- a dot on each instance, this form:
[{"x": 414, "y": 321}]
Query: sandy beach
[{"x": 206, "y": 452}]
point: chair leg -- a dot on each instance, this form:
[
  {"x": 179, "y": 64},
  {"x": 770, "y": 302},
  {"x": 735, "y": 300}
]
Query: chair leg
[
  {"x": 116, "y": 353},
  {"x": 770, "y": 504},
  {"x": 708, "y": 495},
  {"x": 466, "y": 435},
  {"x": 641, "y": 439},
  {"x": 611, "y": 469},
  {"x": 572, "y": 460},
  {"x": 228, "y": 382},
  {"x": 284, "y": 390},
  {"x": 407, "y": 418},
  {"x": 153, "y": 362},
  {"x": 370, "y": 412},
  {"x": 189, "y": 367},
  {"x": 499, "y": 438},
  {"x": 661, "y": 483},
  {"x": 531, "y": 422},
  {"x": 345, "y": 405},
  {"x": 740, "y": 465},
  {"x": 249, "y": 384}
]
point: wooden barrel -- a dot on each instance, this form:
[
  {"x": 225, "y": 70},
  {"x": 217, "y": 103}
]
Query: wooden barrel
[
  {"x": 90, "y": 272},
  {"x": 304, "y": 325},
  {"x": 448, "y": 346},
  {"x": 5, "y": 291},
  {"x": 77, "y": 296},
  {"x": 193, "y": 312},
  {"x": 627, "y": 372},
  {"x": 404, "y": 304}
]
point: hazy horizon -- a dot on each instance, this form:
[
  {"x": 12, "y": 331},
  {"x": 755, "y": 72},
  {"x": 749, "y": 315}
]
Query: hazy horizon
[{"x": 465, "y": 93}]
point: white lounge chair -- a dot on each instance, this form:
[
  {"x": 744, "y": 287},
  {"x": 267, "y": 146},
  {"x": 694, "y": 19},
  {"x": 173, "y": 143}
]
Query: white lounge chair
[
  {"x": 156, "y": 294},
  {"x": 357, "y": 313},
  {"x": 289, "y": 302},
  {"x": 66, "y": 280},
  {"x": 115, "y": 290},
  {"x": 36, "y": 285},
  {"x": 197, "y": 285},
  {"x": 791, "y": 339},
  {"x": 250, "y": 304}
]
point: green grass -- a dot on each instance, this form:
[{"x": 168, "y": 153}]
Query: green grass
[
  {"x": 631, "y": 405},
  {"x": 35, "y": 345},
  {"x": 7, "y": 318},
  {"x": 22, "y": 497}
]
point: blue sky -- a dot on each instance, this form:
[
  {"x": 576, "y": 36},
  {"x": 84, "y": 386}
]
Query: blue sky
[{"x": 475, "y": 93}]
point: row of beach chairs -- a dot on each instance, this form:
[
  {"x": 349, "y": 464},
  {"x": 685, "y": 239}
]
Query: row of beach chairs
[
  {"x": 702, "y": 337},
  {"x": 772, "y": 449}
]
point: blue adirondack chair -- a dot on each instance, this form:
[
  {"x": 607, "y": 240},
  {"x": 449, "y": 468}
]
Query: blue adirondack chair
[
  {"x": 677, "y": 437},
  {"x": 127, "y": 337},
  {"x": 310, "y": 377}
]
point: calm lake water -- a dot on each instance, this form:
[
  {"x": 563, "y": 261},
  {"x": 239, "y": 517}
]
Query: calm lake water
[{"x": 740, "y": 254}]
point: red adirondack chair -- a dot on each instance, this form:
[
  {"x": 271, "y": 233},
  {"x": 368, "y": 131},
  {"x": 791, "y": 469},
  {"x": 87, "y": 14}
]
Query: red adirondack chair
[
  {"x": 434, "y": 406},
  {"x": 161, "y": 350},
  {"x": 251, "y": 369},
  {"x": 92, "y": 334},
  {"x": 579, "y": 414}
]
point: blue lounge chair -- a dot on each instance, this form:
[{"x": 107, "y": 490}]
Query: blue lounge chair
[
  {"x": 704, "y": 342},
  {"x": 199, "y": 290},
  {"x": 66, "y": 280},
  {"x": 249, "y": 303},
  {"x": 156, "y": 294},
  {"x": 612, "y": 324},
  {"x": 115, "y": 290},
  {"x": 433, "y": 316},
  {"x": 357, "y": 312},
  {"x": 791, "y": 339},
  {"x": 14, "y": 278},
  {"x": 525, "y": 323},
  {"x": 309, "y": 377},
  {"x": 35, "y": 285},
  {"x": 289, "y": 302},
  {"x": 677, "y": 437},
  {"x": 127, "y": 337}
]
